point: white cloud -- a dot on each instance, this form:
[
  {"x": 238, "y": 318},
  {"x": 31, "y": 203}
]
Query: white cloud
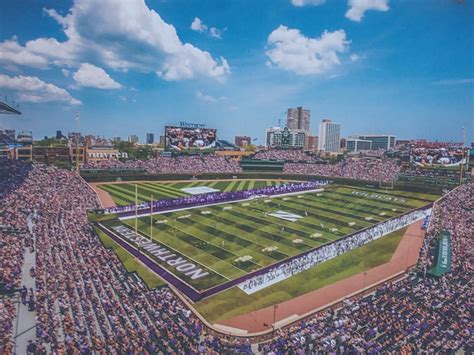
[
  {"x": 208, "y": 98},
  {"x": 198, "y": 26},
  {"x": 66, "y": 72},
  {"x": 89, "y": 75},
  {"x": 301, "y": 3},
  {"x": 215, "y": 32},
  {"x": 292, "y": 51},
  {"x": 123, "y": 35},
  {"x": 357, "y": 8},
  {"x": 12, "y": 52},
  {"x": 354, "y": 57},
  {"x": 32, "y": 89}
]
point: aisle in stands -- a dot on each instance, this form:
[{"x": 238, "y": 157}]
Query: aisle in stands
[{"x": 353, "y": 168}]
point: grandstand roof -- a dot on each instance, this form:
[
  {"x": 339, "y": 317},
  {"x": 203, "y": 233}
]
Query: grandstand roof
[{"x": 8, "y": 110}]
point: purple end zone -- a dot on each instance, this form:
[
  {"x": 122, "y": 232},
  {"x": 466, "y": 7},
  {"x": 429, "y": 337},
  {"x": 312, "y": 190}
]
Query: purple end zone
[
  {"x": 213, "y": 198},
  {"x": 165, "y": 274}
]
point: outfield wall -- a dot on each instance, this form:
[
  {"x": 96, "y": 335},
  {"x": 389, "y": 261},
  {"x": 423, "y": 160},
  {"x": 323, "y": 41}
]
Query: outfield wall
[{"x": 399, "y": 185}]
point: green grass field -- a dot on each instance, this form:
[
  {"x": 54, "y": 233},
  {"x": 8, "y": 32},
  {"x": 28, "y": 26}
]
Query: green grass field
[
  {"x": 124, "y": 194},
  {"x": 217, "y": 236},
  {"x": 234, "y": 302}
]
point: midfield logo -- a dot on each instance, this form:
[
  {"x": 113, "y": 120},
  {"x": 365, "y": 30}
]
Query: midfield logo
[{"x": 287, "y": 216}]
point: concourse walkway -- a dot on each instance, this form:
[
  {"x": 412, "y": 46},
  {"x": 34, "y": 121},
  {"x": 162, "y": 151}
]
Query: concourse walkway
[{"x": 25, "y": 325}]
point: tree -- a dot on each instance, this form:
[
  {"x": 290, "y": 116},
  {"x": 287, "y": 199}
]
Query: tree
[
  {"x": 250, "y": 148},
  {"x": 51, "y": 142},
  {"x": 142, "y": 152}
]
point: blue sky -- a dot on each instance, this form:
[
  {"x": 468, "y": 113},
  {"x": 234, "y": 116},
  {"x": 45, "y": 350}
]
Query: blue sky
[{"x": 375, "y": 66}]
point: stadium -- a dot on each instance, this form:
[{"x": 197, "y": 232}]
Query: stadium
[
  {"x": 308, "y": 243},
  {"x": 235, "y": 262}
]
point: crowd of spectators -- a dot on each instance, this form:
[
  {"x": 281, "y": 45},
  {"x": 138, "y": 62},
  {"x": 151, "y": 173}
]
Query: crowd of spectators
[
  {"x": 219, "y": 197},
  {"x": 419, "y": 314},
  {"x": 86, "y": 301},
  {"x": 286, "y": 154},
  {"x": 352, "y": 168},
  {"x": 329, "y": 251},
  {"x": 192, "y": 164},
  {"x": 12, "y": 246},
  {"x": 427, "y": 172},
  {"x": 378, "y": 153},
  {"x": 370, "y": 169}
]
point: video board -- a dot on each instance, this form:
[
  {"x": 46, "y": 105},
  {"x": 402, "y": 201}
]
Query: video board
[{"x": 189, "y": 138}]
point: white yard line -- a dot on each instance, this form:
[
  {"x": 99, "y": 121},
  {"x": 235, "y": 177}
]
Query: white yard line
[
  {"x": 219, "y": 203},
  {"x": 166, "y": 246},
  {"x": 282, "y": 277}
]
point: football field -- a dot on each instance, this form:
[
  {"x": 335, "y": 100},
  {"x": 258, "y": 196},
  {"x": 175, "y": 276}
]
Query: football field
[
  {"x": 233, "y": 239},
  {"x": 123, "y": 194}
]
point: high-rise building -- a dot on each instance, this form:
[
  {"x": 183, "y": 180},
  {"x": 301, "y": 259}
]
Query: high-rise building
[
  {"x": 298, "y": 118},
  {"x": 379, "y": 141},
  {"x": 133, "y": 138},
  {"x": 277, "y": 137},
  {"x": 116, "y": 140},
  {"x": 59, "y": 135},
  {"x": 343, "y": 143},
  {"x": 150, "y": 138},
  {"x": 329, "y": 136},
  {"x": 162, "y": 141},
  {"x": 242, "y": 141},
  {"x": 357, "y": 145},
  {"x": 311, "y": 143}
]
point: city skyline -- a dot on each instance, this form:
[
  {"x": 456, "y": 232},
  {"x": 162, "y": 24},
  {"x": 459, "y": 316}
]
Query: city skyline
[{"x": 402, "y": 68}]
